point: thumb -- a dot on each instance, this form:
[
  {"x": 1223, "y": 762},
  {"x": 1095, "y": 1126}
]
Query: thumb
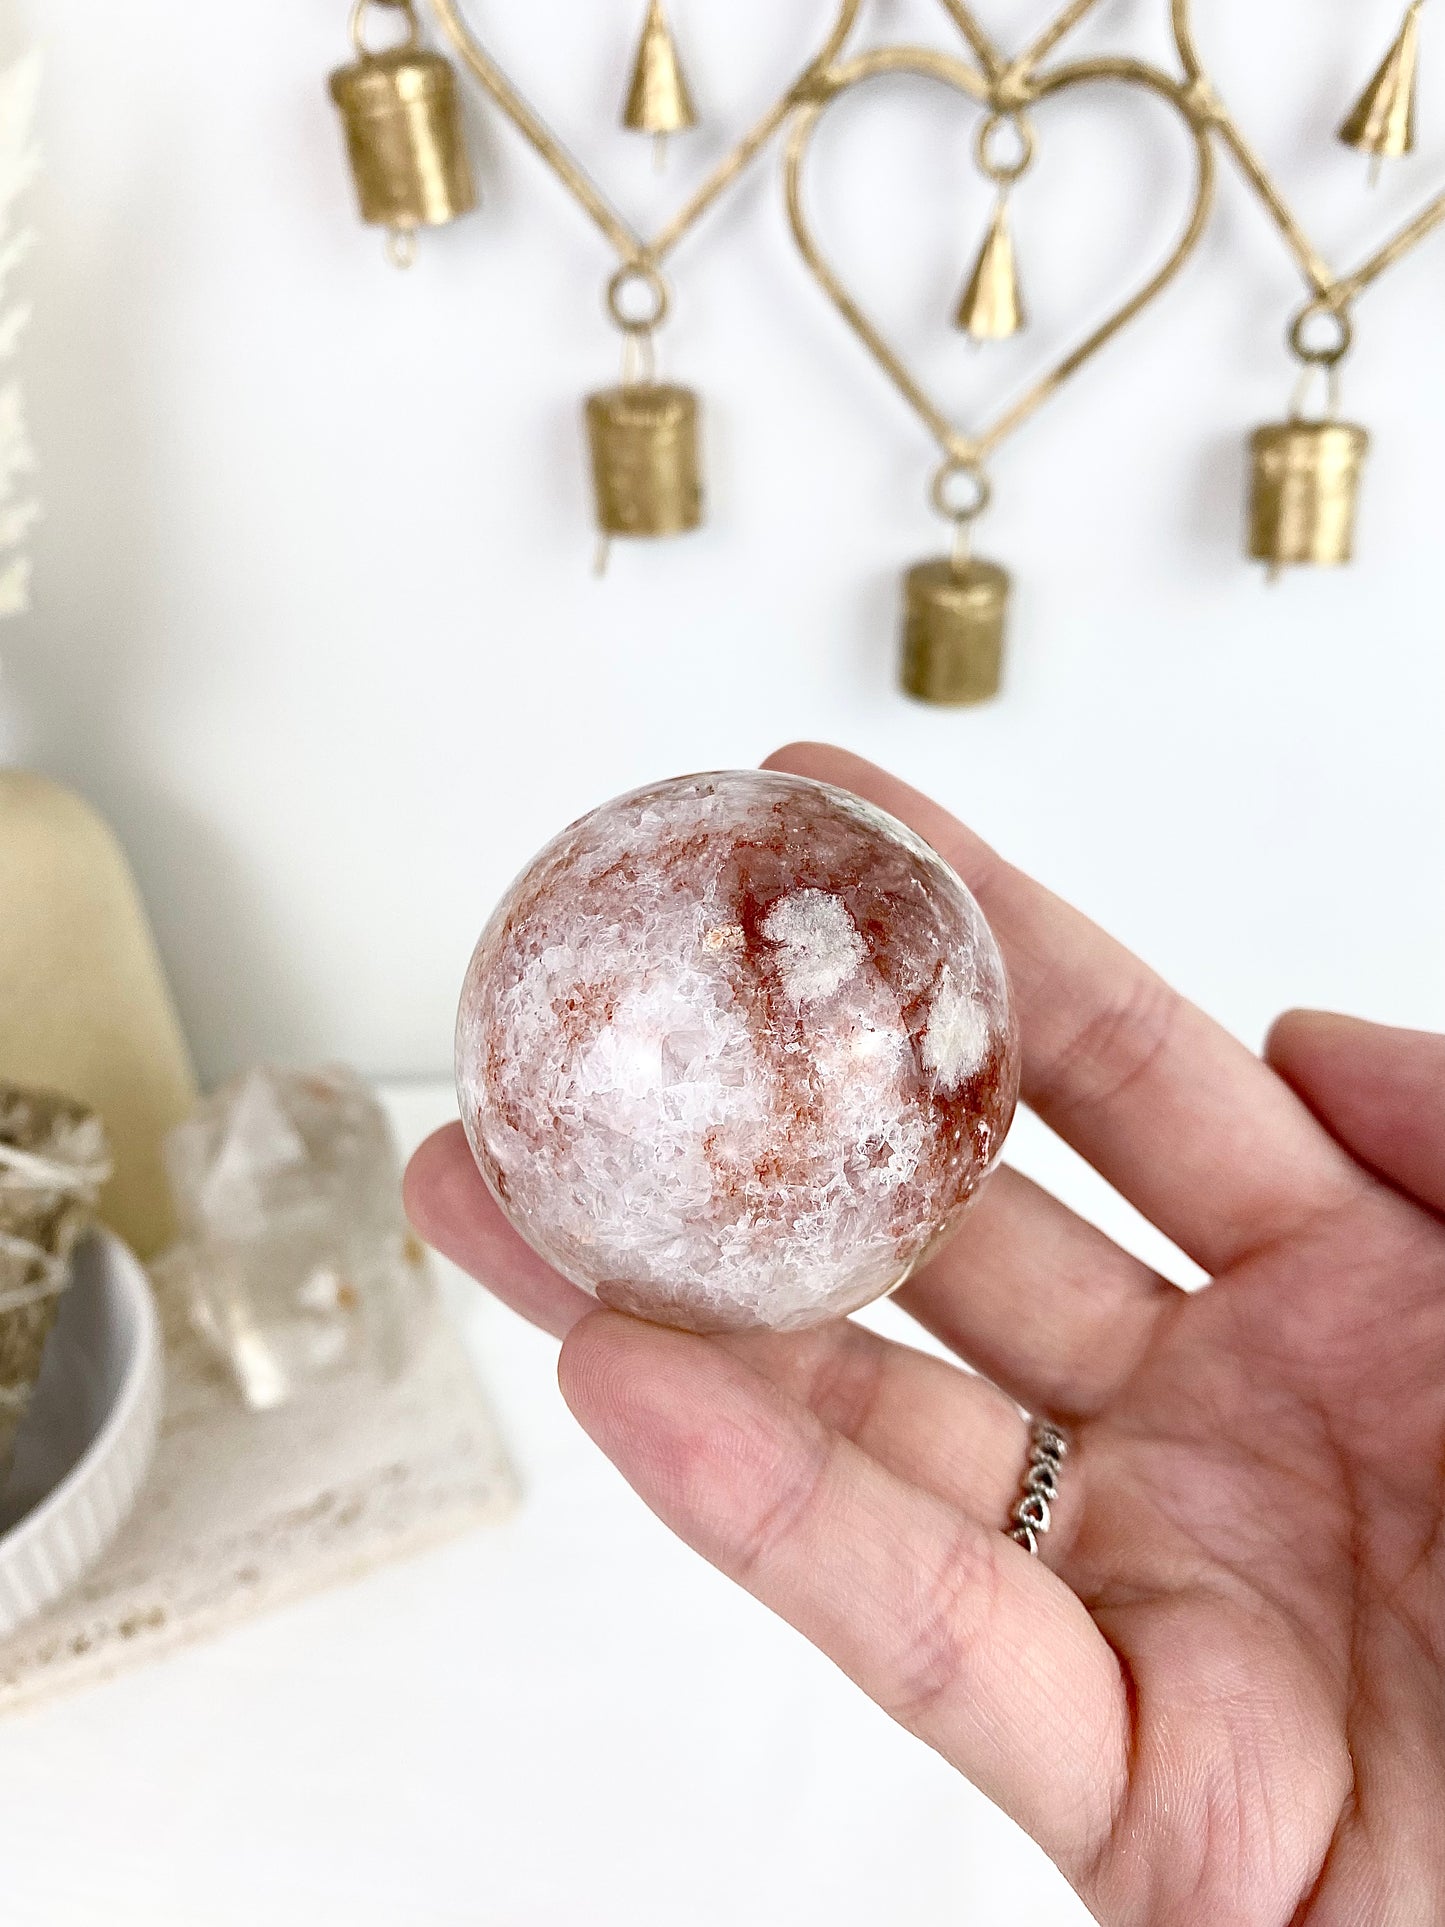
[{"x": 1379, "y": 1090}]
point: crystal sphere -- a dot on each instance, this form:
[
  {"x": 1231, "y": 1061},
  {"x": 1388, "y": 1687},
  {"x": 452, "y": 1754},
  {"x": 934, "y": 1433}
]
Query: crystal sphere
[{"x": 735, "y": 1050}]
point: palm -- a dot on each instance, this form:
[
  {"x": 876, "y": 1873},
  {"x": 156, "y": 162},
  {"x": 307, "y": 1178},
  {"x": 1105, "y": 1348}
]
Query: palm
[
  {"x": 1262, "y": 1546},
  {"x": 1220, "y": 1694}
]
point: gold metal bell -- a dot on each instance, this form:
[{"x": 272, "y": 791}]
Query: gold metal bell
[
  {"x": 658, "y": 100},
  {"x": 954, "y": 613},
  {"x": 1382, "y": 121},
  {"x": 646, "y": 472},
  {"x": 403, "y": 136},
  {"x": 1305, "y": 478},
  {"x": 991, "y": 307}
]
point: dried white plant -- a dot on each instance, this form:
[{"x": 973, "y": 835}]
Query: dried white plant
[{"x": 19, "y": 164}]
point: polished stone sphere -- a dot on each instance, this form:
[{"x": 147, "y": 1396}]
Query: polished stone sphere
[{"x": 735, "y": 1050}]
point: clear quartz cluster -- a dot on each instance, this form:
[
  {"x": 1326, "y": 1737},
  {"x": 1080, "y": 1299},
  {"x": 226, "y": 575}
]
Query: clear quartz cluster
[
  {"x": 295, "y": 1261},
  {"x": 735, "y": 1050}
]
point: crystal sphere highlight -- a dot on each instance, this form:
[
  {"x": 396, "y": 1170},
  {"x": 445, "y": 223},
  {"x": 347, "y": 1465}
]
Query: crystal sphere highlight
[{"x": 734, "y": 1052}]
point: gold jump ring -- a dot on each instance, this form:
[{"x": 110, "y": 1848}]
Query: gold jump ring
[
  {"x": 1004, "y": 173},
  {"x": 960, "y": 468},
  {"x": 1324, "y": 355},
  {"x": 407, "y": 10},
  {"x": 637, "y": 274}
]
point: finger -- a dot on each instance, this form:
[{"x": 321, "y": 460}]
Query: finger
[
  {"x": 929, "y": 1421},
  {"x": 448, "y": 1202},
  {"x": 949, "y": 1626},
  {"x": 1040, "y": 1301},
  {"x": 939, "y": 1428},
  {"x": 1378, "y": 1089},
  {"x": 957, "y": 1436},
  {"x": 1170, "y": 1108}
]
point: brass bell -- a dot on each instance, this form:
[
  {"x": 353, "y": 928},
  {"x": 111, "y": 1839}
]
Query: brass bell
[
  {"x": 403, "y": 137},
  {"x": 1382, "y": 121},
  {"x": 646, "y": 473},
  {"x": 991, "y": 307},
  {"x": 1304, "y": 480},
  {"x": 955, "y": 607},
  {"x": 954, "y": 612},
  {"x": 658, "y": 99}
]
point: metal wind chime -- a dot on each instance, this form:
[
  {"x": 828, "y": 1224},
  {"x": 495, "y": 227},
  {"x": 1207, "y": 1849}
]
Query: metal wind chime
[
  {"x": 955, "y": 606},
  {"x": 408, "y": 159},
  {"x": 1305, "y": 471},
  {"x": 401, "y": 113},
  {"x": 643, "y": 433}
]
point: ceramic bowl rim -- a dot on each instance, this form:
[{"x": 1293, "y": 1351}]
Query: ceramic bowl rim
[{"x": 125, "y": 1271}]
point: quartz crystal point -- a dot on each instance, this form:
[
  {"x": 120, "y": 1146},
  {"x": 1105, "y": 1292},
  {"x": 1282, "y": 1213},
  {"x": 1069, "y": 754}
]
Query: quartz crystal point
[
  {"x": 735, "y": 1050},
  {"x": 295, "y": 1262}
]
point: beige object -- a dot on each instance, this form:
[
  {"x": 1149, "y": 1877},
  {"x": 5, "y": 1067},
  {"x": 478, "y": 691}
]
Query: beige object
[{"x": 84, "y": 1007}]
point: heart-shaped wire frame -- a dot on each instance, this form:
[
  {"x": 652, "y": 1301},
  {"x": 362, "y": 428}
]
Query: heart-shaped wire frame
[
  {"x": 1330, "y": 293},
  {"x": 639, "y": 256},
  {"x": 961, "y": 450}
]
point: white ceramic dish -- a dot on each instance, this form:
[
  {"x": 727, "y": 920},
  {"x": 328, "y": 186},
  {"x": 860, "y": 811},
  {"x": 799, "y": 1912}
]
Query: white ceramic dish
[{"x": 87, "y": 1440}]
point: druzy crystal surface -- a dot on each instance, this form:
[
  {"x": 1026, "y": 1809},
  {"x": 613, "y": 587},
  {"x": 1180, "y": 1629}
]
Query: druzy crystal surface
[{"x": 735, "y": 1050}]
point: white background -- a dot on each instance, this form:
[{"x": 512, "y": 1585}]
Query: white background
[{"x": 315, "y": 626}]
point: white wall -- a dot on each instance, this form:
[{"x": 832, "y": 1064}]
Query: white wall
[{"x": 315, "y": 622}]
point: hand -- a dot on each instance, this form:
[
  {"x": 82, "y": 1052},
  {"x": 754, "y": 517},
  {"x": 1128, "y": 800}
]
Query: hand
[{"x": 1219, "y": 1695}]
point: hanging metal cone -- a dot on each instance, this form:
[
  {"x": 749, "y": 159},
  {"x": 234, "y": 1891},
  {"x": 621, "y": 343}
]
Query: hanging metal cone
[
  {"x": 992, "y": 306},
  {"x": 658, "y": 101},
  {"x": 1382, "y": 120}
]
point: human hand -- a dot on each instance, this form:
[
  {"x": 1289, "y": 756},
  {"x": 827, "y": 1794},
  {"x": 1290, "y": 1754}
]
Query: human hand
[{"x": 1219, "y": 1694}]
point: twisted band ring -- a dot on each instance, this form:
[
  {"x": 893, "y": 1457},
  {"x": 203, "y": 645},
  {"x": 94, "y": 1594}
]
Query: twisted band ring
[{"x": 1033, "y": 1513}]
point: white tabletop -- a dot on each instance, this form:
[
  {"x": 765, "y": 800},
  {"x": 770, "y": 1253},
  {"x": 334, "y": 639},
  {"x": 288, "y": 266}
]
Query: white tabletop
[{"x": 564, "y": 1721}]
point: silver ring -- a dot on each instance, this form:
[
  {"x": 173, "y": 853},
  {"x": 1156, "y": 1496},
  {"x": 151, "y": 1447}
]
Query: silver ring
[{"x": 1033, "y": 1511}]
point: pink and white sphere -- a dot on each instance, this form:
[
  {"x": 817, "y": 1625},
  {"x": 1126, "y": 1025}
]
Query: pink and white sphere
[{"x": 735, "y": 1050}]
